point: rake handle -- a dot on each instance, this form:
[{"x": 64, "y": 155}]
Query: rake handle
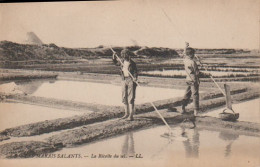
[
  {"x": 211, "y": 76},
  {"x": 169, "y": 128}
]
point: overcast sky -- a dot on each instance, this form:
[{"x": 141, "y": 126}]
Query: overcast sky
[{"x": 165, "y": 23}]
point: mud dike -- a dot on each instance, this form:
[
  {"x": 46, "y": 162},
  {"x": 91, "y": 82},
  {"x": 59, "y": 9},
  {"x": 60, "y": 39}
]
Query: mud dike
[{"x": 103, "y": 122}]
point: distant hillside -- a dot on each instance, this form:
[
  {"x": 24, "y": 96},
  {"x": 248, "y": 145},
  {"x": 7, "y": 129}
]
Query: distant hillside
[
  {"x": 157, "y": 52},
  {"x": 10, "y": 51},
  {"x": 220, "y": 51},
  {"x": 216, "y": 51}
]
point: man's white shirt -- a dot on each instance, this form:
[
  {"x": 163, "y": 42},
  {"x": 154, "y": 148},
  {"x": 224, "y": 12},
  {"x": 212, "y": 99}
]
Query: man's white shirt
[{"x": 125, "y": 68}]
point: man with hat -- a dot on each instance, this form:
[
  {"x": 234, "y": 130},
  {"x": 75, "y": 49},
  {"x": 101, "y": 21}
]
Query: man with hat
[
  {"x": 192, "y": 80},
  {"x": 129, "y": 79}
]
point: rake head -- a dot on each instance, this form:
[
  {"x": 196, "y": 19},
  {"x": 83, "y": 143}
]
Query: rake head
[
  {"x": 171, "y": 136},
  {"x": 229, "y": 115}
]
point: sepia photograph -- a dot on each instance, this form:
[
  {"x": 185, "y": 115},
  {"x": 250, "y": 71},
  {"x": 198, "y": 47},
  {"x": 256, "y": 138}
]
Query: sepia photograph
[{"x": 171, "y": 83}]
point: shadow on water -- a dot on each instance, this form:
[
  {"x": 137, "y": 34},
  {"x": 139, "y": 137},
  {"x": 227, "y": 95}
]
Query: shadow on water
[{"x": 31, "y": 86}]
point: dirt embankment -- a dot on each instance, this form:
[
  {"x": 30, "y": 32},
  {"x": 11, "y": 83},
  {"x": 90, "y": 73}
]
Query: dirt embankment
[
  {"x": 26, "y": 149},
  {"x": 103, "y": 113},
  {"x": 106, "y": 129},
  {"x": 4, "y": 137},
  {"x": 100, "y": 130},
  {"x": 88, "y": 133},
  {"x": 94, "y": 132},
  {"x": 13, "y": 77},
  {"x": 254, "y": 77}
]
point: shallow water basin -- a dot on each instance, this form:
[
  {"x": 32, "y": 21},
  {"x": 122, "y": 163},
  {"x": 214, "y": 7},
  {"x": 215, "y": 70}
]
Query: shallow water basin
[
  {"x": 248, "y": 111},
  {"x": 188, "y": 146},
  {"x": 15, "y": 114},
  {"x": 100, "y": 93}
]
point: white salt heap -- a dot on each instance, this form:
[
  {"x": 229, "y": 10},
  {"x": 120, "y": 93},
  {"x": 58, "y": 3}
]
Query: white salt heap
[{"x": 9, "y": 88}]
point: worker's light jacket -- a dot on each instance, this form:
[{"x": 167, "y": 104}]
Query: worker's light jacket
[
  {"x": 191, "y": 69},
  {"x": 131, "y": 68}
]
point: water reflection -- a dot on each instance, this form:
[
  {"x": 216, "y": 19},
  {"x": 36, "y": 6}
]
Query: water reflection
[
  {"x": 202, "y": 146},
  {"x": 128, "y": 147},
  {"x": 192, "y": 143},
  {"x": 229, "y": 138}
]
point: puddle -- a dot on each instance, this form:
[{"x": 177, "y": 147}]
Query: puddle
[
  {"x": 197, "y": 144},
  {"x": 100, "y": 93},
  {"x": 15, "y": 114},
  {"x": 248, "y": 111}
]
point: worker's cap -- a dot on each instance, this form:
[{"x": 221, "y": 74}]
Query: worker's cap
[
  {"x": 125, "y": 53},
  {"x": 190, "y": 51}
]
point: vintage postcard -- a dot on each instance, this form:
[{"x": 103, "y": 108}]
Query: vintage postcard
[{"x": 130, "y": 83}]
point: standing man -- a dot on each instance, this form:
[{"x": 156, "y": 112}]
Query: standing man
[
  {"x": 129, "y": 79},
  {"x": 192, "y": 79}
]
